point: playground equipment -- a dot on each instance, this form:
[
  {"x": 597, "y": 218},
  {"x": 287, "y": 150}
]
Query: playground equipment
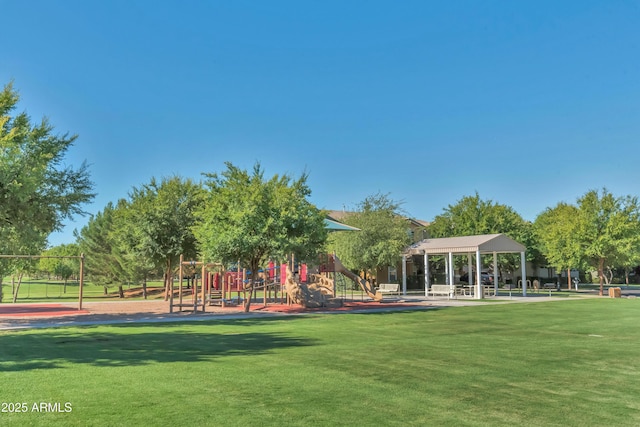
[
  {"x": 198, "y": 297},
  {"x": 318, "y": 292},
  {"x": 214, "y": 285},
  {"x": 277, "y": 283},
  {"x": 320, "y": 289},
  {"x": 364, "y": 284}
]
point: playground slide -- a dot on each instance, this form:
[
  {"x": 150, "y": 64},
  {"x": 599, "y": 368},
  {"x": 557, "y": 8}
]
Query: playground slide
[{"x": 364, "y": 284}]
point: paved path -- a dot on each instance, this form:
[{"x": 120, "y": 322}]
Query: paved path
[{"x": 106, "y": 313}]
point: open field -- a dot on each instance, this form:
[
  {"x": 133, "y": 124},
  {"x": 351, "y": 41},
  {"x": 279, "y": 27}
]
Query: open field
[{"x": 569, "y": 363}]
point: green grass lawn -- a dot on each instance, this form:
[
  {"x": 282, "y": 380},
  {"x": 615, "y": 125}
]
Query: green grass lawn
[
  {"x": 564, "y": 363},
  {"x": 42, "y": 290}
]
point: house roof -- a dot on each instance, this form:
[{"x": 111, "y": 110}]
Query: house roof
[
  {"x": 341, "y": 215},
  {"x": 422, "y": 222},
  {"x": 338, "y": 215},
  {"x": 484, "y": 243}
]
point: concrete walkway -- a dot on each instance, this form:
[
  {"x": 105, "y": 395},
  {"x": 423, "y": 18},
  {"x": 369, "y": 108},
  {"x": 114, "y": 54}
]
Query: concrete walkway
[{"x": 414, "y": 302}]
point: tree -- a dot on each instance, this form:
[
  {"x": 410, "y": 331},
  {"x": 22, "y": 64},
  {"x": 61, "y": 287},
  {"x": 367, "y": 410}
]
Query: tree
[
  {"x": 601, "y": 231},
  {"x": 63, "y": 268},
  {"x": 104, "y": 262},
  {"x": 474, "y": 216},
  {"x": 36, "y": 190},
  {"x": 608, "y": 230},
  {"x": 629, "y": 262},
  {"x": 19, "y": 267},
  {"x": 382, "y": 237},
  {"x": 154, "y": 227},
  {"x": 248, "y": 218},
  {"x": 557, "y": 232},
  {"x": 15, "y": 243}
]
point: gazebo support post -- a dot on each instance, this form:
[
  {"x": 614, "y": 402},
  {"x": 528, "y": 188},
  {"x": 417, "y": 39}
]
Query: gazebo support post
[
  {"x": 404, "y": 275},
  {"x": 495, "y": 272},
  {"x": 446, "y": 270},
  {"x": 470, "y": 269},
  {"x": 479, "y": 290},
  {"x": 426, "y": 274},
  {"x": 523, "y": 267},
  {"x": 452, "y": 290}
]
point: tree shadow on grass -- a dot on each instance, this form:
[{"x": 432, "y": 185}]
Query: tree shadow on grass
[
  {"x": 58, "y": 348},
  {"x": 178, "y": 323},
  {"x": 139, "y": 318}
]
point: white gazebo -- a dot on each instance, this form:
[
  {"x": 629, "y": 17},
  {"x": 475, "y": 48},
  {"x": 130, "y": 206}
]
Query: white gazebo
[{"x": 470, "y": 245}]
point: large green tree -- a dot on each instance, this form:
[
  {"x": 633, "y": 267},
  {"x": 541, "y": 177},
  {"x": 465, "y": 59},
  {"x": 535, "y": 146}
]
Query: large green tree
[
  {"x": 557, "y": 233},
  {"x": 106, "y": 264},
  {"x": 383, "y": 235},
  {"x": 251, "y": 219},
  {"x": 601, "y": 231},
  {"x": 37, "y": 191},
  {"x": 609, "y": 230},
  {"x": 472, "y": 215},
  {"x": 155, "y": 226}
]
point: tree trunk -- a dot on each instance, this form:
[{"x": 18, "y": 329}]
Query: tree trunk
[
  {"x": 626, "y": 277},
  {"x": 601, "y": 275},
  {"x": 608, "y": 277},
  {"x": 106, "y": 290},
  {"x": 568, "y": 278},
  {"x": 144, "y": 288},
  {"x": 15, "y": 294},
  {"x": 247, "y": 302},
  {"x": 254, "y": 273},
  {"x": 65, "y": 286},
  {"x": 167, "y": 280},
  {"x": 120, "y": 292}
]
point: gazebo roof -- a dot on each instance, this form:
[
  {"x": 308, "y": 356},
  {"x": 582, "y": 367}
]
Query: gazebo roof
[
  {"x": 485, "y": 243},
  {"x": 332, "y": 225}
]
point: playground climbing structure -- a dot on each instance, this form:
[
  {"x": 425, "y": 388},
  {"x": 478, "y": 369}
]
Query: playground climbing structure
[
  {"x": 318, "y": 292},
  {"x": 365, "y": 285}
]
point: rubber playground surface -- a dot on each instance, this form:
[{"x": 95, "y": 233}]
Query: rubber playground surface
[
  {"x": 38, "y": 310},
  {"x": 38, "y": 315}
]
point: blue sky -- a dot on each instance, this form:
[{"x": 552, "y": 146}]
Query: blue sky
[{"x": 529, "y": 103}]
